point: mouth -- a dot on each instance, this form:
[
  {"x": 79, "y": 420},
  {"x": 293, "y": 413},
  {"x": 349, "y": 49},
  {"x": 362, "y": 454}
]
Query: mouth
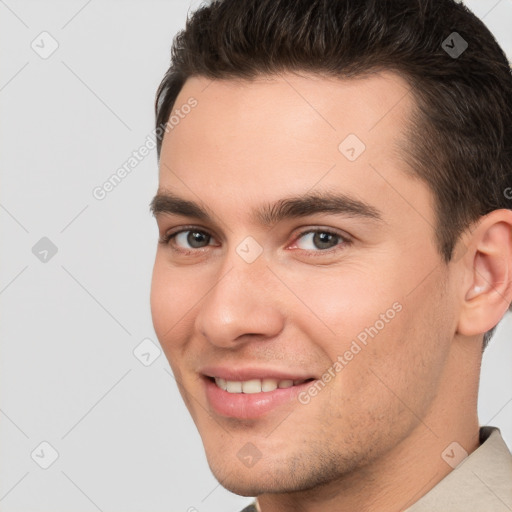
[
  {"x": 252, "y": 386},
  {"x": 252, "y": 398}
]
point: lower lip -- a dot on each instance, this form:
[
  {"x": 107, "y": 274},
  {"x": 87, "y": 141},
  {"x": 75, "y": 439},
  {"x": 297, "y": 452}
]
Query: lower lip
[{"x": 250, "y": 405}]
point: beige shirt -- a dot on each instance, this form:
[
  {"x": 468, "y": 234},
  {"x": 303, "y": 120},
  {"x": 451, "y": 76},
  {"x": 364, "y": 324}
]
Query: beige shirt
[{"x": 482, "y": 482}]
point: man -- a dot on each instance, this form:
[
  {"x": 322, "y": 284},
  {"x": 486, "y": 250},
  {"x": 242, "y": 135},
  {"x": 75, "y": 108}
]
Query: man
[{"x": 336, "y": 249}]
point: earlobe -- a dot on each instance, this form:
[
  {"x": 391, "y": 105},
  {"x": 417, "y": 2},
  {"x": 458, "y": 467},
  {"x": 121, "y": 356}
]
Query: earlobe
[{"x": 489, "y": 274}]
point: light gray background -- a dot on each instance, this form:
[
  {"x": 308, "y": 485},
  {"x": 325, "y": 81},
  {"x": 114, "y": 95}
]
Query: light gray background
[{"x": 69, "y": 325}]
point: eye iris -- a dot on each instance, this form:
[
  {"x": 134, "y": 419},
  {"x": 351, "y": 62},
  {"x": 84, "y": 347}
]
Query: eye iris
[
  {"x": 324, "y": 240},
  {"x": 197, "y": 239}
]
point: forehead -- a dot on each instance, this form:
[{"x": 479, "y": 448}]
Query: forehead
[
  {"x": 288, "y": 134},
  {"x": 316, "y": 105}
]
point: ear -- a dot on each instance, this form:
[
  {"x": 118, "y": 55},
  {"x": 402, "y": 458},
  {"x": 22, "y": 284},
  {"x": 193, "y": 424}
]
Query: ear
[{"x": 487, "y": 289}]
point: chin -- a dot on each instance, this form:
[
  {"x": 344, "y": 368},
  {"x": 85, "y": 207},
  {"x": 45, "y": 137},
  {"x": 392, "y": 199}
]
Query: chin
[
  {"x": 248, "y": 483},
  {"x": 239, "y": 479},
  {"x": 295, "y": 473}
]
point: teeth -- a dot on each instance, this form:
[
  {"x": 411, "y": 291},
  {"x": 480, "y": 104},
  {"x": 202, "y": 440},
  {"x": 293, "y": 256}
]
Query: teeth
[
  {"x": 255, "y": 385},
  {"x": 269, "y": 384},
  {"x": 251, "y": 386},
  {"x": 221, "y": 383},
  {"x": 234, "y": 386}
]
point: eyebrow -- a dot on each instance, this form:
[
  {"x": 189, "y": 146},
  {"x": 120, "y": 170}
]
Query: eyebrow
[{"x": 286, "y": 208}]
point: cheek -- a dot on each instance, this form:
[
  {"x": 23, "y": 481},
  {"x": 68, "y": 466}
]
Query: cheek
[
  {"x": 343, "y": 305},
  {"x": 376, "y": 325},
  {"x": 173, "y": 296},
  {"x": 161, "y": 300},
  {"x": 388, "y": 375}
]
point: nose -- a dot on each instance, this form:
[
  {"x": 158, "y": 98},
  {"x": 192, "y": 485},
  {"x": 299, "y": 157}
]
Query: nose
[{"x": 243, "y": 305}]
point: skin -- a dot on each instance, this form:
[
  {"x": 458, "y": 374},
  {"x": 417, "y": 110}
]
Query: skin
[{"x": 372, "y": 439}]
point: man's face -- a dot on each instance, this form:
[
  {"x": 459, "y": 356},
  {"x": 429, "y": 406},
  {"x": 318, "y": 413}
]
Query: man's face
[{"x": 311, "y": 250}]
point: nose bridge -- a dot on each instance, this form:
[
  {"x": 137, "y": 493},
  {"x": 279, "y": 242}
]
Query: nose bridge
[{"x": 240, "y": 302}]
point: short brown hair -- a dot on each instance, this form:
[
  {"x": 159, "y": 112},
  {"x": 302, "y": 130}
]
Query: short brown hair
[{"x": 460, "y": 137}]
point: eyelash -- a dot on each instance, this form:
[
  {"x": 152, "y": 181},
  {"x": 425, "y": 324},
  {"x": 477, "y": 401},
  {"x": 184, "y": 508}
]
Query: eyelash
[{"x": 344, "y": 241}]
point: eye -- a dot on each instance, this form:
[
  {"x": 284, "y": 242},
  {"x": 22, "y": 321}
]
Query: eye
[
  {"x": 188, "y": 239},
  {"x": 195, "y": 239},
  {"x": 319, "y": 239}
]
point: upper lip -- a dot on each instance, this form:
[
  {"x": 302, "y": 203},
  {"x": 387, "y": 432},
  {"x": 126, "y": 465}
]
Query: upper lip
[{"x": 249, "y": 373}]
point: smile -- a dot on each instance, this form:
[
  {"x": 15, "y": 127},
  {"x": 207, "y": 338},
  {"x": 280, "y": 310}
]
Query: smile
[
  {"x": 256, "y": 385},
  {"x": 252, "y": 397}
]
